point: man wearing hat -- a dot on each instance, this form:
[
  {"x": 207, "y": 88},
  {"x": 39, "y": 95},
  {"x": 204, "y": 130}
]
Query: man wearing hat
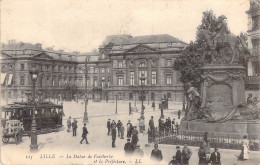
[
  {"x": 122, "y": 131},
  {"x": 84, "y": 134},
  {"x": 186, "y": 154},
  {"x": 156, "y": 154},
  {"x": 221, "y": 29},
  {"x": 129, "y": 148},
  {"x": 129, "y": 127},
  {"x": 173, "y": 161},
  {"x": 118, "y": 125},
  {"x": 113, "y": 136},
  {"x": 138, "y": 151},
  {"x": 151, "y": 124},
  {"x": 108, "y": 126},
  {"x": 178, "y": 155},
  {"x": 215, "y": 157},
  {"x": 74, "y": 127},
  {"x": 135, "y": 138},
  {"x": 113, "y": 124}
]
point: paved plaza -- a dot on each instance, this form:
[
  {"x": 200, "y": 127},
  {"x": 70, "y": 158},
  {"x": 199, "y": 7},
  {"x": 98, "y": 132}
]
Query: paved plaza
[{"x": 61, "y": 144}]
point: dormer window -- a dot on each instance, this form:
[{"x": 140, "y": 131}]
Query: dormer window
[
  {"x": 169, "y": 44},
  {"x": 103, "y": 55},
  {"x": 168, "y": 62},
  {"x": 120, "y": 64}
]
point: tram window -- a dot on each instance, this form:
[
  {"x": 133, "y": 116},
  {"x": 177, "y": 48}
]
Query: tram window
[
  {"x": 3, "y": 113},
  {"x": 8, "y": 115}
]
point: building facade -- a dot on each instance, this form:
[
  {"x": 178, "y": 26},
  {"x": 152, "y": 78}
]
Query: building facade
[
  {"x": 123, "y": 59},
  {"x": 253, "y": 78},
  {"x": 113, "y": 71},
  {"x": 61, "y": 75}
]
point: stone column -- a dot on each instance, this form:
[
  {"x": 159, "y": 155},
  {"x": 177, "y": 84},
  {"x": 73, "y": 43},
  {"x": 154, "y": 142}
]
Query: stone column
[
  {"x": 136, "y": 72},
  {"x": 148, "y": 72}
]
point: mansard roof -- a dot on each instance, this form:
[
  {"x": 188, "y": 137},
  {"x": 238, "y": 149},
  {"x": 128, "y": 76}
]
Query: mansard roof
[{"x": 147, "y": 39}]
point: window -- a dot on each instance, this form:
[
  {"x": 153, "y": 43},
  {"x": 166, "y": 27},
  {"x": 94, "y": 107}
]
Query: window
[
  {"x": 95, "y": 83},
  {"x": 47, "y": 67},
  {"x": 169, "y": 44},
  {"x": 255, "y": 47},
  {"x": 153, "y": 77},
  {"x": 91, "y": 69},
  {"x": 107, "y": 70},
  {"x": 59, "y": 68},
  {"x": 40, "y": 81},
  {"x": 22, "y": 66},
  {"x": 255, "y": 22},
  {"x": 168, "y": 79},
  {"x": 80, "y": 83},
  {"x": 103, "y": 56},
  {"x": 120, "y": 64},
  {"x": 59, "y": 83},
  {"x": 22, "y": 80},
  {"x": 120, "y": 80},
  {"x": 130, "y": 96},
  {"x": 96, "y": 71},
  {"x": 108, "y": 82},
  {"x": 168, "y": 62},
  {"x": 102, "y": 70},
  {"x": 53, "y": 82},
  {"x": 52, "y": 68},
  {"x": 102, "y": 81},
  {"x": 132, "y": 78},
  {"x": 144, "y": 72}
]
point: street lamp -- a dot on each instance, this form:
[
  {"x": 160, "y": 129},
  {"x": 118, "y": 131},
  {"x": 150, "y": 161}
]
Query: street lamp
[
  {"x": 116, "y": 103},
  {"x": 34, "y": 146},
  {"x": 85, "y": 119},
  {"x": 142, "y": 78}
]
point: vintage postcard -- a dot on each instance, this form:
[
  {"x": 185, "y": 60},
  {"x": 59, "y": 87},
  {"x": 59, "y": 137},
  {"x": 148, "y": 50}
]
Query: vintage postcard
[{"x": 131, "y": 82}]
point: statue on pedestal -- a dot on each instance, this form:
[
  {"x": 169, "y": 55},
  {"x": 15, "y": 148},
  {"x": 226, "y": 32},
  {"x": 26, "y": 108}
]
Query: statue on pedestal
[{"x": 224, "y": 47}]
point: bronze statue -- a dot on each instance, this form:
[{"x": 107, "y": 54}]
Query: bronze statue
[{"x": 222, "y": 39}]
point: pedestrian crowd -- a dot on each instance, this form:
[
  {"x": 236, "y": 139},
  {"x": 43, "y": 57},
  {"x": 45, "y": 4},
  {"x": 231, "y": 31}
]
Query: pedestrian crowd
[{"x": 166, "y": 127}]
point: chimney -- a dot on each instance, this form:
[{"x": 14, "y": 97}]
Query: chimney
[
  {"x": 49, "y": 48},
  {"x": 76, "y": 52},
  {"x": 38, "y": 46},
  {"x": 61, "y": 51}
]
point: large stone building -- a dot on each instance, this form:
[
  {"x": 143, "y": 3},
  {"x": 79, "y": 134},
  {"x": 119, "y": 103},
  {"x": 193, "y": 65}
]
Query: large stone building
[
  {"x": 123, "y": 59},
  {"x": 61, "y": 75},
  {"x": 253, "y": 79},
  {"x": 114, "y": 70}
]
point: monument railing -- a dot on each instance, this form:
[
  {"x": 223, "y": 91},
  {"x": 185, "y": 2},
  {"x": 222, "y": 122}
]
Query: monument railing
[{"x": 173, "y": 137}]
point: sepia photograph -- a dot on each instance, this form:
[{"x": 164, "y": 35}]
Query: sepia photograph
[{"x": 130, "y": 82}]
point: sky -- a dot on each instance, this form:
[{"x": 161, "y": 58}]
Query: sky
[{"x": 82, "y": 25}]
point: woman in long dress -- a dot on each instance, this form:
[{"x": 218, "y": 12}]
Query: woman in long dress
[{"x": 245, "y": 149}]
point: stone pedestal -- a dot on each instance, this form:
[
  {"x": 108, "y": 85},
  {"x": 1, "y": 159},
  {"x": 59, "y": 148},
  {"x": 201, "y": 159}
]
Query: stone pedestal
[
  {"x": 222, "y": 93},
  {"x": 229, "y": 128},
  {"x": 225, "y": 83}
]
